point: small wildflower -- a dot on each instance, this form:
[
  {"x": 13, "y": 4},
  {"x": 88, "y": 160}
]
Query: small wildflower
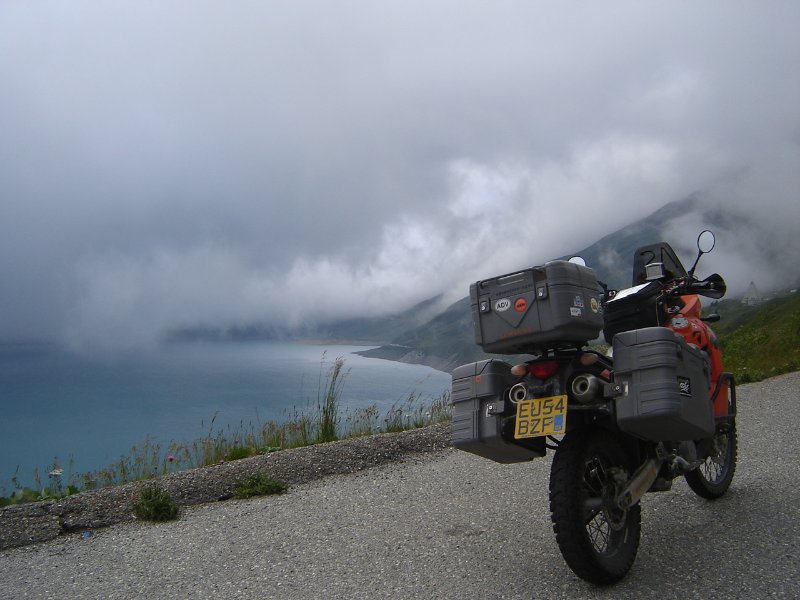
[
  {"x": 57, "y": 472},
  {"x": 170, "y": 458}
]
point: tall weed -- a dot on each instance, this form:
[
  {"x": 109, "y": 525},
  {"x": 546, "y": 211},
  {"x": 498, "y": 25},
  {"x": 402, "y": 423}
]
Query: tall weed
[{"x": 328, "y": 408}]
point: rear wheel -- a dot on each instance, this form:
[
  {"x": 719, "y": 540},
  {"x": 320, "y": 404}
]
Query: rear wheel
[
  {"x": 713, "y": 477},
  {"x": 598, "y": 540}
]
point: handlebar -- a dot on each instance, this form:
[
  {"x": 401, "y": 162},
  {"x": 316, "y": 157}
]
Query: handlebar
[
  {"x": 689, "y": 287},
  {"x": 711, "y": 287}
]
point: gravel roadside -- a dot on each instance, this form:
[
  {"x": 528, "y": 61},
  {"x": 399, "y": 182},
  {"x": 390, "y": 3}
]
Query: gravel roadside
[
  {"x": 444, "y": 524},
  {"x": 36, "y": 522}
]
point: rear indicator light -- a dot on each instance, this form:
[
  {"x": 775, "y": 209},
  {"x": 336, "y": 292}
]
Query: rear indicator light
[{"x": 519, "y": 370}]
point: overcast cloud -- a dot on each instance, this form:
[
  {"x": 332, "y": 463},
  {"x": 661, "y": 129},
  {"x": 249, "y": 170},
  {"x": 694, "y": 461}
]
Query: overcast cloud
[{"x": 173, "y": 164}]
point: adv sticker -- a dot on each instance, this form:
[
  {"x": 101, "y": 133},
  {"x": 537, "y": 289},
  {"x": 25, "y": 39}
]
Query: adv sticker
[{"x": 502, "y": 305}]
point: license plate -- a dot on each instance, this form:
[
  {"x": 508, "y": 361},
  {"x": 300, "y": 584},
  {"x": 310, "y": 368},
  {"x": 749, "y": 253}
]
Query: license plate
[{"x": 541, "y": 416}]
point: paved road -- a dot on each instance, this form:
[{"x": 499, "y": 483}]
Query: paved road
[{"x": 447, "y": 526}]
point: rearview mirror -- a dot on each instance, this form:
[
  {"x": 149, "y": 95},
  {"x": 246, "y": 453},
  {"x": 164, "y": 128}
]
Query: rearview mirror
[
  {"x": 705, "y": 244},
  {"x": 578, "y": 260},
  {"x": 706, "y": 241}
]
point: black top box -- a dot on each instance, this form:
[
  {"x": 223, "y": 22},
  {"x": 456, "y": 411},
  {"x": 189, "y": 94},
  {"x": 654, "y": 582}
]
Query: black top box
[{"x": 557, "y": 304}]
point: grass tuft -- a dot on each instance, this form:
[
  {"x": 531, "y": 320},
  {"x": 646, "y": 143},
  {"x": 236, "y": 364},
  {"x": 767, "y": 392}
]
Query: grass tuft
[
  {"x": 259, "y": 484},
  {"x": 155, "y": 504}
]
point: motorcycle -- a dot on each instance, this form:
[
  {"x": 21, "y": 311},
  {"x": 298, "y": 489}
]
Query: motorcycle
[{"x": 660, "y": 406}]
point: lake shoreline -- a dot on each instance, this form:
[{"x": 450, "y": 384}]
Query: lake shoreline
[{"x": 83, "y": 414}]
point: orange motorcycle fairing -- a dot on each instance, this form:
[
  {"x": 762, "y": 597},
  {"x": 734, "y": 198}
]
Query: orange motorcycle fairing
[{"x": 687, "y": 323}]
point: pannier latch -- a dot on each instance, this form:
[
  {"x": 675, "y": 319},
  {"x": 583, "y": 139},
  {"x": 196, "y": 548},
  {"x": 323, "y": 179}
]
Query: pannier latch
[
  {"x": 495, "y": 408},
  {"x": 614, "y": 390}
]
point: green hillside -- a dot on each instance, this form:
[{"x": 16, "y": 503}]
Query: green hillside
[
  {"x": 734, "y": 314},
  {"x": 761, "y": 342}
]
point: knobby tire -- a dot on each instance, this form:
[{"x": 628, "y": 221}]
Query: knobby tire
[
  {"x": 714, "y": 476},
  {"x": 597, "y": 541}
]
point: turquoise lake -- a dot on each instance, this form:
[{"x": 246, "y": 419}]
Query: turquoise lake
[{"x": 91, "y": 411}]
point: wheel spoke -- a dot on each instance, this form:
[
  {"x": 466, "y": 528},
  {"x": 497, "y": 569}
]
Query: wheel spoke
[
  {"x": 714, "y": 466},
  {"x": 599, "y": 531},
  {"x": 597, "y": 485},
  {"x": 712, "y": 478},
  {"x": 712, "y": 470},
  {"x": 594, "y": 477}
]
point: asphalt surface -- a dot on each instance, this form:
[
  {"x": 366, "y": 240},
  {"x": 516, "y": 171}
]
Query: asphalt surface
[{"x": 448, "y": 525}]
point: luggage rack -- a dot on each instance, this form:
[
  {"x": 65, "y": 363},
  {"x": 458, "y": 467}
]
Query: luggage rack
[{"x": 725, "y": 422}]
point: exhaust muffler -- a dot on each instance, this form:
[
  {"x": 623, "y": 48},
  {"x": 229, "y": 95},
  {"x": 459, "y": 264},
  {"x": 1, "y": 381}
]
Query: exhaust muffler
[
  {"x": 518, "y": 393},
  {"x": 586, "y": 388}
]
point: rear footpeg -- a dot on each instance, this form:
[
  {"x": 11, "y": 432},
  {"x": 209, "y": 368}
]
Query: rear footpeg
[{"x": 661, "y": 484}]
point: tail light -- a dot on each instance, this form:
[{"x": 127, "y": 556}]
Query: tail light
[{"x": 544, "y": 369}]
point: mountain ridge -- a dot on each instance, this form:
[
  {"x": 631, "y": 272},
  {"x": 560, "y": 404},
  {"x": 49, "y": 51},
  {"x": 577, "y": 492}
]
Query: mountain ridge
[{"x": 448, "y": 339}]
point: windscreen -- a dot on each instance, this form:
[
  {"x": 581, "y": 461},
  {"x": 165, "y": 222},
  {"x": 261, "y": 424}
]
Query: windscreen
[{"x": 661, "y": 252}]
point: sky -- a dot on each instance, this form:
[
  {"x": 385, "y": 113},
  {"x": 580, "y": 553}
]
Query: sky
[{"x": 179, "y": 164}]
